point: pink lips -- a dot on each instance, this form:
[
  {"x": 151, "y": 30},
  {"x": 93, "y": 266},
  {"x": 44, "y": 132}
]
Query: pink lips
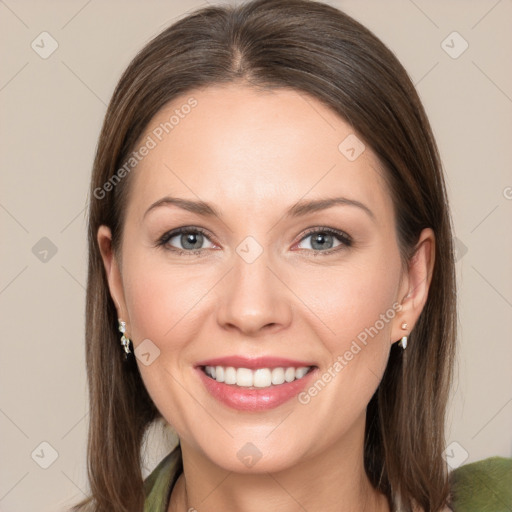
[
  {"x": 253, "y": 399},
  {"x": 253, "y": 363}
]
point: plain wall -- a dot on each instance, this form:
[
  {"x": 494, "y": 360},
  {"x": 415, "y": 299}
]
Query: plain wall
[{"x": 51, "y": 113}]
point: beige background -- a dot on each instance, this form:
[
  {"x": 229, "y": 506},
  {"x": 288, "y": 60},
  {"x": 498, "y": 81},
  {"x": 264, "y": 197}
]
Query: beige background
[{"x": 51, "y": 112}]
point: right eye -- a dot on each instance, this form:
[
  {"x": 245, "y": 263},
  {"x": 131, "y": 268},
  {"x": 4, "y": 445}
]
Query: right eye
[{"x": 186, "y": 240}]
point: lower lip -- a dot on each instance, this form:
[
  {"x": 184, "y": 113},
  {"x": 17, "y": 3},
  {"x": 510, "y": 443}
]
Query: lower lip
[{"x": 246, "y": 399}]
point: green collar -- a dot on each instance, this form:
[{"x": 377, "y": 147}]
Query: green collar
[{"x": 158, "y": 485}]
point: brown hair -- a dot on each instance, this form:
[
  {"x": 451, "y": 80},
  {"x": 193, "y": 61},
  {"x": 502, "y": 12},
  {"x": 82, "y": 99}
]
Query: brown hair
[{"x": 313, "y": 48}]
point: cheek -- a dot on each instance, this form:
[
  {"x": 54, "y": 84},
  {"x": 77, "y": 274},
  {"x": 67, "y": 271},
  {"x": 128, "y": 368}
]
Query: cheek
[
  {"x": 353, "y": 315},
  {"x": 354, "y": 308},
  {"x": 351, "y": 299},
  {"x": 163, "y": 302},
  {"x": 159, "y": 297}
]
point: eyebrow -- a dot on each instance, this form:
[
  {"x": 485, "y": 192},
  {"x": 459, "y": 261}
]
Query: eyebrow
[{"x": 299, "y": 209}]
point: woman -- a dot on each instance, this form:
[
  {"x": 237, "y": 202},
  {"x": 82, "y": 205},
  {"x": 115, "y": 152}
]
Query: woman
[{"x": 269, "y": 230}]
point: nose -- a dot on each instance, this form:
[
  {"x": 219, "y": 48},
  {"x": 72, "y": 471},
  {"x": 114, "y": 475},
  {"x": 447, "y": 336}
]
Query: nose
[{"x": 253, "y": 299}]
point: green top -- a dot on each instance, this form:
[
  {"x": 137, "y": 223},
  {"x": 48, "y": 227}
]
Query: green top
[{"x": 483, "y": 486}]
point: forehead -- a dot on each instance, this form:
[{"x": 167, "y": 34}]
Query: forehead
[{"x": 254, "y": 150}]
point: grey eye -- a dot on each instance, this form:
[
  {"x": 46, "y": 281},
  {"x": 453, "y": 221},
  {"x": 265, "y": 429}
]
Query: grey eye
[
  {"x": 320, "y": 241},
  {"x": 189, "y": 240}
]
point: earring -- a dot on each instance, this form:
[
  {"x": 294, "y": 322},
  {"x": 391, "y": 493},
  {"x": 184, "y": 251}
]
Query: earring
[
  {"x": 403, "y": 342},
  {"x": 125, "y": 342}
]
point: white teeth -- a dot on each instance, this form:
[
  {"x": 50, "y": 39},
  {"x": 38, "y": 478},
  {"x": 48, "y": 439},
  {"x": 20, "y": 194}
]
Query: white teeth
[
  {"x": 300, "y": 372},
  {"x": 277, "y": 376},
  {"x": 219, "y": 374},
  {"x": 289, "y": 374},
  {"x": 229, "y": 375},
  {"x": 260, "y": 378},
  {"x": 244, "y": 377}
]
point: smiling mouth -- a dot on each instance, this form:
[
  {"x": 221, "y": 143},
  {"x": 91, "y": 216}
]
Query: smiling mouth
[{"x": 256, "y": 379}]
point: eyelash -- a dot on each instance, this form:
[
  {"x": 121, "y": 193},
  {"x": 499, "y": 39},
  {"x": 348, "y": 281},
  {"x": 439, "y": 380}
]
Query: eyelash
[{"x": 346, "y": 240}]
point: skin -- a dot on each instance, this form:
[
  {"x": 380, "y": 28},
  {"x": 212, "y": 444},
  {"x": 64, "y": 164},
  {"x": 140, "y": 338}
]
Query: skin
[{"x": 253, "y": 155}]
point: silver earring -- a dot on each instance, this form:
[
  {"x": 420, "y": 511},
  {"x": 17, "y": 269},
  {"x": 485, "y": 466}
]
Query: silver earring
[
  {"x": 403, "y": 342},
  {"x": 125, "y": 342}
]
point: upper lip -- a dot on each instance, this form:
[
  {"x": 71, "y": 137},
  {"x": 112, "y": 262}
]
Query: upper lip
[{"x": 255, "y": 362}]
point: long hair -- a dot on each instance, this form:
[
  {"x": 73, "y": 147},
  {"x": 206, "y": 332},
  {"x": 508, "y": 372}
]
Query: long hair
[{"x": 316, "y": 49}]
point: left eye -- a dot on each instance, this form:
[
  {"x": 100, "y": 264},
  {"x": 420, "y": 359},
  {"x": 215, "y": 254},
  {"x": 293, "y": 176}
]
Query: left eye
[{"x": 324, "y": 240}]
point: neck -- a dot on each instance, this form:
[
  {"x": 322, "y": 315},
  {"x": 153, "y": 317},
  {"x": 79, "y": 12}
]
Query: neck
[{"x": 332, "y": 481}]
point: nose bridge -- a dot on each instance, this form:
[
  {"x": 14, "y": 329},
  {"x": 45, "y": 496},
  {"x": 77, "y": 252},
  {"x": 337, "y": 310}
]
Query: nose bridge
[{"x": 253, "y": 298}]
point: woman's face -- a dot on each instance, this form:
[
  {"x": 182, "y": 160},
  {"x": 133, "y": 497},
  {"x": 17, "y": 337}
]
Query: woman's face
[{"x": 265, "y": 276}]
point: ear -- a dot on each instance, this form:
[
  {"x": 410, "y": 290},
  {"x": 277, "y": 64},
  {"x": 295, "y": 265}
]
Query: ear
[
  {"x": 112, "y": 269},
  {"x": 415, "y": 284}
]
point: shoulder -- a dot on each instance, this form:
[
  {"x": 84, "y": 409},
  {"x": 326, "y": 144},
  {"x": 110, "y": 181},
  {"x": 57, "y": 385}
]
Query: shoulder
[
  {"x": 158, "y": 484},
  {"x": 485, "y": 485}
]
